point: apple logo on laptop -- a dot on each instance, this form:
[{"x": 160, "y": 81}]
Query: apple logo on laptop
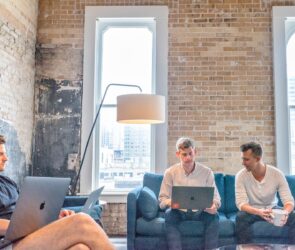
[{"x": 42, "y": 205}]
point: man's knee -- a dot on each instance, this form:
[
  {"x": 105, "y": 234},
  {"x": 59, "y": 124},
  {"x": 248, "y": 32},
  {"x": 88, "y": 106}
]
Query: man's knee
[
  {"x": 211, "y": 218},
  {"x": 81, "y": 219},
  {"x": 242, "y": 218},
  {"x": 171, "y": 216},
  {"x": 79, "y": 247},
  {"x": 241, "y": 215}
]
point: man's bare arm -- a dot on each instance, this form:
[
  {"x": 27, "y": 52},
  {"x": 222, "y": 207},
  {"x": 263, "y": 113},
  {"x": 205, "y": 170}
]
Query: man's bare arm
[{"x": 3, "y": 226}]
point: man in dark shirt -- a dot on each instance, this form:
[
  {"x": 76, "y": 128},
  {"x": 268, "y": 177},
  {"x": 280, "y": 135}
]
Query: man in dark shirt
[
  {"x": 8, "y": 188},
  {"x": 71, "y": 231},
  {"x": 8, "y": 196}
]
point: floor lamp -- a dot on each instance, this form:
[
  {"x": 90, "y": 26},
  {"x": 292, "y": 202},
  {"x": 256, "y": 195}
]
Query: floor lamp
[{"x": 131, "y": 109}]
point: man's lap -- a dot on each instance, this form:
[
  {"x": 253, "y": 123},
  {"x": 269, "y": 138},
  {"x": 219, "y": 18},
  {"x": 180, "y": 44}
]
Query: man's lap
[{"x": 179, "y": 215}]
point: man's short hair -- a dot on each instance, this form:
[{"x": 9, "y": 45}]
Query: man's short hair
[
  {"x": 2, "y": 139},
  {"x": 184, "y": 142},
  {"x": 255, "y": 147}
]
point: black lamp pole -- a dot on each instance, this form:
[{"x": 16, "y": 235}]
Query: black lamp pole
[{"x": 75, "y": 179}]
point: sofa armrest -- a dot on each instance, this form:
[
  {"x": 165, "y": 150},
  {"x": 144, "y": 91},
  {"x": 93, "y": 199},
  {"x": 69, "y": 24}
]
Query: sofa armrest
[
  {"x": 132, "y": 216},
  {"x": 73, "y": 201}
]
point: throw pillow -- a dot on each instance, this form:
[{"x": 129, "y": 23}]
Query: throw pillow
[{"x": 148, "y": 203}]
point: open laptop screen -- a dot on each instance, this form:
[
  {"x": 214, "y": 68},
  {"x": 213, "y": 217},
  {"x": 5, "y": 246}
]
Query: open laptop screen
[{"x": 187, "y": 197}]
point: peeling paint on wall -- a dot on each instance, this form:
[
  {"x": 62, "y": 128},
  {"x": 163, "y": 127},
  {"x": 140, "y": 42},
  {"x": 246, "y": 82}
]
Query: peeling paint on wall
[
  {"x": 58, "y": 99},
  {"x": 57, "y": 128},
  {"x": 55, "y": 139}
]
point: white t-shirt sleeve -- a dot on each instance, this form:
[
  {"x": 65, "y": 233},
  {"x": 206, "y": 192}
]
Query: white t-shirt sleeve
[{"x": 240, "y": 191}]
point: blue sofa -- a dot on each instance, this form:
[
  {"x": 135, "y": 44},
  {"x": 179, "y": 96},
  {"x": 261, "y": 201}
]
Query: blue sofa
[{"x": 146, "y": 223}]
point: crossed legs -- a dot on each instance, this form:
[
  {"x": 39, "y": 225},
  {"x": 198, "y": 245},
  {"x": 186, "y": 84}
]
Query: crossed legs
[{"x": 74, "y": 232}]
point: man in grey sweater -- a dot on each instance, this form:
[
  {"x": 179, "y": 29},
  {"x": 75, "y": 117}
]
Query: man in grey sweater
[
  {"x": 256, "y": 187},
  {"x": 188, "y": 172}
]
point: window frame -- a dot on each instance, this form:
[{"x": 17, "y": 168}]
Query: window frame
[
  {"x": 160, "y": 13},
  {"x": 282, "y": 114}
]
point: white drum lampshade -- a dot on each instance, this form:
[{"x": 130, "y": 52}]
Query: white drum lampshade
[{"x": 141, "y": 109}]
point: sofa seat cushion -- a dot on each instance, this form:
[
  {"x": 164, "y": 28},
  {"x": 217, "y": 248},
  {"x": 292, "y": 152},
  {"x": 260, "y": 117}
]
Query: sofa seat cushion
[
  {"x": 152, "y": 227},
  {"x": 262, "y": 229},
  {"x": 232, "y": 216},
  {"x": 226, "y": 226}
]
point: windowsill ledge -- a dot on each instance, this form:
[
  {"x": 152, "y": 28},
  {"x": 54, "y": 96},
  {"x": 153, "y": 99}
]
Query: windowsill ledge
[
  {"x": 118, "y": 197},
  {"x": 113, "y": 197}
]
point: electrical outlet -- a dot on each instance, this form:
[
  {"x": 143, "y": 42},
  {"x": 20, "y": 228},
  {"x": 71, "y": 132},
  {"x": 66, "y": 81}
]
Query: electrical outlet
[{"x": 72, "y": 161}]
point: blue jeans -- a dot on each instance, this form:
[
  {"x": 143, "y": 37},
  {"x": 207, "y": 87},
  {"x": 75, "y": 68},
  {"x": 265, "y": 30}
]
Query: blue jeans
[
  {"x": 173, "y": 217},
  {"x": 245, "y": 220}
]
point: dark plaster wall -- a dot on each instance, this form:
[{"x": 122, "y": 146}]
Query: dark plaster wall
[
  {"x": 57, "y": 128},
  {"x": 16, "y": 167},
  {"x": 58, "y": 98}
]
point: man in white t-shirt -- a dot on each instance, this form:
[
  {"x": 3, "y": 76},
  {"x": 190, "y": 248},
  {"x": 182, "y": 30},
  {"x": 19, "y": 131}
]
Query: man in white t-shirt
[
  {"x": 188, "y": 172},
  {"x": 256, "y": 187}
]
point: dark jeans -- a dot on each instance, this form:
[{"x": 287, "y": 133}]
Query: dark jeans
[
  {"x": 173, "y": 217},
  {"x": 245, "y": 220}
]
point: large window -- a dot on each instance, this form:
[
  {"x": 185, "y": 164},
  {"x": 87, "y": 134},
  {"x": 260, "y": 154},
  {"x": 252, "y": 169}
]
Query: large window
[
  {"x": 126, "y": 49},
  {"x": 290, "y": 54},
  {"x": 284, "y": 82},
  {"x": 126, "y": 45}
]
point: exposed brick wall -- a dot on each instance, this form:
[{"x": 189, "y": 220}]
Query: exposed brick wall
[
  {"x": 220, "y": 74},
  {"x": 114, "y": 219},
  {"x": 18, "y": 25}
]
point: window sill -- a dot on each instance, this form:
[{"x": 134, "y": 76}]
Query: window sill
[
  {"x": 114, "y": 197},
  {"x": 118, "y": 197}
]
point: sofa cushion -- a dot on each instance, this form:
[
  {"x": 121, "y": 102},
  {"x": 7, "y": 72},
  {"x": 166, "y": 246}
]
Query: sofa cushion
[
  {"x": 230, "y": 203},
  {"x": 153, "y": 181},
  {"x": 219, "y": 181},
  {"x": 148, "y": 203},
  {"x": 152, "y": 227},
  {"x": 226, "y": 226},
  {"x": 291, "y": 182}
]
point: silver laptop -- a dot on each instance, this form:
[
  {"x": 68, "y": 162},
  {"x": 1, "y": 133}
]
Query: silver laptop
[
  {"x": 195, "y": 198},
  {"x": 91, "y": 201},
  {"x": 39, "y": 203}
]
